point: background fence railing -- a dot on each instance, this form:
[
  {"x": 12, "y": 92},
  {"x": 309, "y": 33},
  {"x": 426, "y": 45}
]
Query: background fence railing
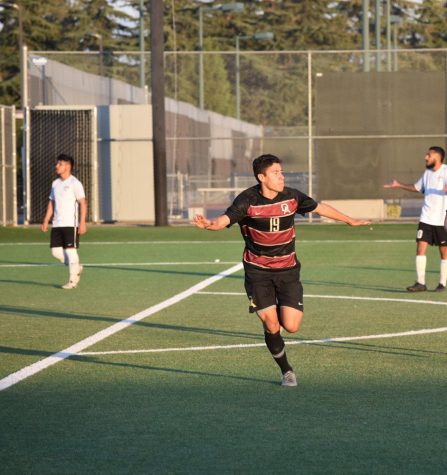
[
  {"x": 351, "y": 120},
  {"x": 8, "y": 167}
]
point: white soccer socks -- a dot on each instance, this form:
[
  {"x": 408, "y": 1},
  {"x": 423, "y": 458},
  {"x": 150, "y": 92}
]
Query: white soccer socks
[
  {"x": 421, "y": 263},
  {"x": 60, "y": 255},
  {"x": 74, "y": 267},
  {"x": 443, "y": 272}
]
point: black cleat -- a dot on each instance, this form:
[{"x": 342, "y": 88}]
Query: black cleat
[
  {"x": 440, "y": 288},
  {"x": 417, "y": 287}
]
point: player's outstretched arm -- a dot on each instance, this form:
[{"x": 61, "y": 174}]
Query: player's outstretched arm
[
  {"x": 402, "y": 186},
  {"x": 323, "y": 209},
  {"x": 212, "y": 225},
  {"x": 48, "y": 216},
  {"x": 83, "y": 216}
]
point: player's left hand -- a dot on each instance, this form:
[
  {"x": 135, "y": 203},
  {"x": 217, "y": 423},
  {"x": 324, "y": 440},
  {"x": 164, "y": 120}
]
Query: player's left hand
[{"x": 82, "y": 228}]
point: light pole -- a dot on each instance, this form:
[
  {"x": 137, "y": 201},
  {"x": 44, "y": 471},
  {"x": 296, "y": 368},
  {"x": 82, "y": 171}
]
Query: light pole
[
  {"x": 18, "y": 8},
  {"x": 395, "y": 21},
  {"x": 141, "y": 28},
  {"x": 388, "y": 33},
  {"x": 226, "y": 7},
  {"x": 365, "y": 34},
  {"x": 267, "y": 35},
  {"x": 378, "y": 32}
]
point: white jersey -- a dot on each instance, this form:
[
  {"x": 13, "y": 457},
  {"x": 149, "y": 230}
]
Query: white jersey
[
  {"x": 65, "y": 195},
  {"x": 432, "y": 185}
]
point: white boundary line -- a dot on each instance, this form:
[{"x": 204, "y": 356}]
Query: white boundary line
[
  {"x": 127, "y": 264},
  {"x": 341, "y": 297},
  {"x": 424, "y": 331},
  {"x": 149, "y": 243},
  {"x": 34, "y": 368},
  {"x": 120, "y": 243}
]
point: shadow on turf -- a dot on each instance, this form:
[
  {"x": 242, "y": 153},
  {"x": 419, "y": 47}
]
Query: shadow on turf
[
  {"x": 391, "y": 350},
  {"x": 52, "y": 314},
  {"x": 350, "y": 285},
  {"x": 150, "y": 325},
  {"x": 30, "y": 282},
  {"x": 162, "y": 271},
  {"x": 25, "y": 351},
  {"x": 89, "y": 359}
]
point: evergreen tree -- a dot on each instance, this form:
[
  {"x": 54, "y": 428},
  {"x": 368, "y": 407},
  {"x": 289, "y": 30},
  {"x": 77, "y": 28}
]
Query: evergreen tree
[
  {"x": 429, "y": 25},
  {"x": 59, "y": 25},
  {"x": 42, "y": 26}
]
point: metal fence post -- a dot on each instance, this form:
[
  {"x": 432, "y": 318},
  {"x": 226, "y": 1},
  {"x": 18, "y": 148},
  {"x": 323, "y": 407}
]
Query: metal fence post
[{"x": 309, "y": 127}]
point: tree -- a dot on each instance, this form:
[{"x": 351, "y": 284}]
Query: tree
[
  {"x": 429, "y": 26},
  {"x": 59, "y": 25},
  {"x": 42, "y": 25}
]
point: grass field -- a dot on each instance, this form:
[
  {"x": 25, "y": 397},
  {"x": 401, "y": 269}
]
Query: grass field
[{"x": 187, "y": 385}]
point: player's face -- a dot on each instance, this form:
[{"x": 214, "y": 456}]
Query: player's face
[
  {"x": 273, "y": 179},
  {"x": 431, "y": 159},
  {"x": 62, "y": 167}
]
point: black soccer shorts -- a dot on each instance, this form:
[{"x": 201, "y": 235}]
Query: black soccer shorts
[
  {"x": 266, "y": 288},
  {"x": 65, "y": 237},
  {"x": 434, "y": 235}
]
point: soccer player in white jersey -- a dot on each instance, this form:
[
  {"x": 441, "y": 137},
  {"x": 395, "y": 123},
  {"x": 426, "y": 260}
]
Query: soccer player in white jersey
[
  {"x": 68, "y": 208},
  {"x": 432, "y": 229}
]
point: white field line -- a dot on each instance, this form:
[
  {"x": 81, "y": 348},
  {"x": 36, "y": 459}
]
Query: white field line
[
  {"x": 342, "y": 297},
  {"x": 121, "y": 243},
  {"x": 127, "y": 264},
  {"x": 424, "y": 331},
  {"x": 34, "y": 368},
  {"x": 150, "y": 243}
]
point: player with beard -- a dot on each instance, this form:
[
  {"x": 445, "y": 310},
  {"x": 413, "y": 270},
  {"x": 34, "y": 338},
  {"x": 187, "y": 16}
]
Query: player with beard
[
  {"x": 266, "y": 216},
  {"x": 432, "y": 228},
  {"x": 67, "y": 208}
]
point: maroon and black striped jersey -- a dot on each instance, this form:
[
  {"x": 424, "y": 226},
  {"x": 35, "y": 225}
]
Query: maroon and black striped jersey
[{"x": 268, "y": 225}]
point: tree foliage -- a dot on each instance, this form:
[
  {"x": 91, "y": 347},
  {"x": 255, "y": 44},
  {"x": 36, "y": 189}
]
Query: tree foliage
[{"x": 88, "y": 25}]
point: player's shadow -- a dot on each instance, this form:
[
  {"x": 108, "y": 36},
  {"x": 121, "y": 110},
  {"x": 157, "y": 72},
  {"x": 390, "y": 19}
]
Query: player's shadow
[
  {"x": 207, "y": 331},
  {"x": 162, "y": 271},
  {"x": 386, "y": 269},
  {"x": 25, "y": 351},
  {"x": 390, "y": 350},
  {"x": 351, "y": 285},
  {"x": 14, "y": 264},
  {"x": 33, "y": 312},
  {"x": 90, "y": 360},
  {"x": 95, "y": 360},
  {"x": 30, "y": 282}
]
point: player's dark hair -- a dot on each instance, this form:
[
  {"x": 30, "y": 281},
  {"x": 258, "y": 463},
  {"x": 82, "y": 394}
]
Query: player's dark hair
[
  {"x": 263, "y": 162},
  {"x": 439, "y": 150},
  {"x": 66, "y": 158}
]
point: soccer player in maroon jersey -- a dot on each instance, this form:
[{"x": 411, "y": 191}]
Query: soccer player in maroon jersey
[{"x": 265, "y": 214}]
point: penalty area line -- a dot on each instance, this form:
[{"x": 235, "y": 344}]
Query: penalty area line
[
  {"x": 342, "y": 297},
  {"x": 124, "y": 264},
  {"x": 424, "y": 331},
  {"x": 75, "y": 349}
]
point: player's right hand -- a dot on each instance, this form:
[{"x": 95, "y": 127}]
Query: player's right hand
[
  {"x": 393, "y": 184},
  {"x": 44, "y": 227}
]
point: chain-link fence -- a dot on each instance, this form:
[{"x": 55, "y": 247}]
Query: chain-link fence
[
  {"x": 350, "y": 120},
  {"x": 51, "y": 131}
]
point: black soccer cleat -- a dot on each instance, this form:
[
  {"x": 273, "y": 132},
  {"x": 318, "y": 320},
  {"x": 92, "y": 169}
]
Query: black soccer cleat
[
  {"x": 417, "y": 287},
  {"x": 440, "y": 288}
]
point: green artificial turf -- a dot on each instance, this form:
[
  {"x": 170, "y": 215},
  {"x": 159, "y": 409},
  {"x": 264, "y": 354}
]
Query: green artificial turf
[{"x": 373, "y": 405}]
